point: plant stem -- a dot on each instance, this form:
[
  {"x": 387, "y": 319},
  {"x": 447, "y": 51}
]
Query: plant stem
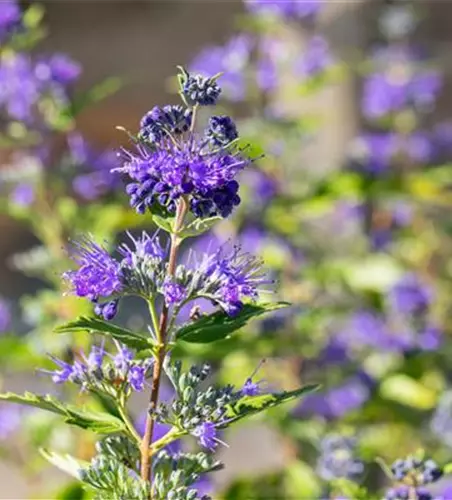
[{"x": 146, "y": 453}]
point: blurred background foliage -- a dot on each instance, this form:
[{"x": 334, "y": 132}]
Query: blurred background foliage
[{"x": 350, "y": 213}]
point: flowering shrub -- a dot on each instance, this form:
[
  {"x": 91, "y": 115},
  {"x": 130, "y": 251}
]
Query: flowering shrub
[{"x": 359, "y": 249}]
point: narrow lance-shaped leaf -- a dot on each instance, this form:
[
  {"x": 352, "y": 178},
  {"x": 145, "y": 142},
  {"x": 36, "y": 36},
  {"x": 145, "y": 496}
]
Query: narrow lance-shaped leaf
[
  {"x": 66, "y": 463},
  {"x": 219, "y": 325},
  {"x": 102, "y": 423},
  {"x": 96, "y": 325},
  {"x": 251, "y": 405}
]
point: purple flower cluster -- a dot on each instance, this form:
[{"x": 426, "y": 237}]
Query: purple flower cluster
[
  {"x": 168, "y": 120},
  {"x": 94, "y": 371},
  {"x": 99, "y": 275},
  {"x": 187, "y": 167},
  {"x": 306, "y": 9},
  {"x": 441, "y": 422},
  {"x": 231, "y": 277}
]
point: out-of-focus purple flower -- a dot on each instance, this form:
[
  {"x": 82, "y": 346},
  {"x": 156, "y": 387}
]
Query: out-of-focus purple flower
[
  {"x": 58, "y": 69},
  {"x": 230, "y": 59},
  {"x": 10, "y": 419},
  {"x": 19, "y": 90},
  {"x": 398, "y": 83},
  {"x": 266, "y": 74},
  {"x": 338, "y": 458},
  {"x": 419, "y": 147},
  {"x": 316, "y": 58},
  {"x": 366, "y": 329},
  {"x": 10, "y": 18},
  {"x": 306, "y": 9},
  {"x": 339, "y": 401},
  {"x": 430, "y": 338},
  {"x": 372, "y": 153},
  {"x": 95, "y": 178},
  {"x": 5, "y": 315},
  {"x": 410, "y": 296},
  {"x": 23, "y": 194},
  {"x": 263, "y": 187}
]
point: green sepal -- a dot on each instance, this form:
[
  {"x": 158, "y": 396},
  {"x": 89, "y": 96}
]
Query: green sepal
[
  {"x": 251, "y": 405},
  {"x": 101, "y": 423},
  {"x": 96, "y": 325},
  {"x": 219, "y": 325}
]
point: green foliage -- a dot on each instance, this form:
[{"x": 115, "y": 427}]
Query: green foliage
[
  {"x": 108, "y": 329},
  {"x": 111, "y": 479},
  {"x": 251, "y": 405},
  {"x": 101, "y": 423},
  {"x": 198, "y": 226},
  {"x": 219, "y": 326}
]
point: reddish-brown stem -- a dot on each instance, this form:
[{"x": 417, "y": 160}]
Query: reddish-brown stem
[{"x": 146, "y": 456}]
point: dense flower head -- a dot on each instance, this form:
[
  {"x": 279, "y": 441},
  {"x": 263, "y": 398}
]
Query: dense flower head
[
  {"x": 168, "y": 120},
  {"x": 404, "y": 492},
  {"x": 414, "y": 470},
  {"x": 230, "y": 277},
  {"x": 199, "y": 90},
  {"x": 146, "y": 248},
  {"x": 410, "y": 296},
  {"x": 10, "y": 18},
  {"x": 163, "y": 175},
  {"x": 174, "y": 293},
  {"x": 221, "y": 131},
  {"x": 338, "y": 458},
  {"x": 99, "y": 275},
  {"x": 285, "y": 8}
]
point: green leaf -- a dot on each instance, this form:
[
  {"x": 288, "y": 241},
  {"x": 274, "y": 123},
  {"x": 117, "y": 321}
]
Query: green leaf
[
  {"x": 66, "y": 463},
  {"x": 219, "y": 325},
  {"x": 96, "y": 325},
  {"x": 198, "y": 226},
  {"x": 251, "y": 405},
  {"x": 165, "y": 223},
  {"x": 101, "y": 423}
]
